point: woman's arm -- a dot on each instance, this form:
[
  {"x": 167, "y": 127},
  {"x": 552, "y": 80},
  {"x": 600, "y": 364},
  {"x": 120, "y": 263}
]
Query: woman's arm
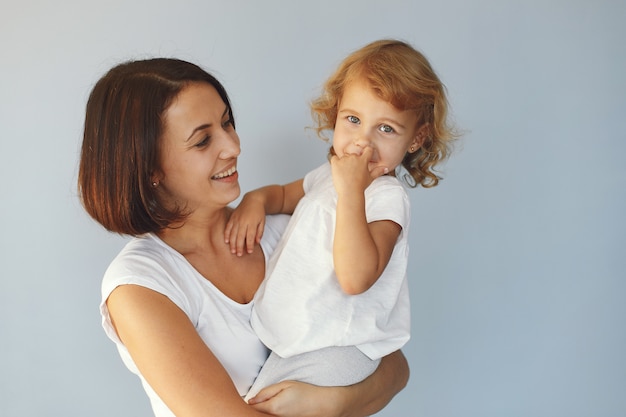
[
  {"x": 296, "y": 399},
  {"x": 191, "y": 381},
  {"x": 172, "y": 357}
]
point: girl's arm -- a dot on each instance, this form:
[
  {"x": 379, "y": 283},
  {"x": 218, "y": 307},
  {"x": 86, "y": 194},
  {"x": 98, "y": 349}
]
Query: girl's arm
[
  {"x": 361, "y": 250},
  {"x": 296, "y": 399},
  {"x": 247, "y": 221}
]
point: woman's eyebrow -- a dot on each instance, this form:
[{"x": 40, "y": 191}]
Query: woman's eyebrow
[{"x": 204, "y": 126}]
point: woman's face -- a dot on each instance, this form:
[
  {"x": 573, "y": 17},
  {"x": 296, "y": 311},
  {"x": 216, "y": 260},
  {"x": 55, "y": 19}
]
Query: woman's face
[{"x": 198, "y": 151}]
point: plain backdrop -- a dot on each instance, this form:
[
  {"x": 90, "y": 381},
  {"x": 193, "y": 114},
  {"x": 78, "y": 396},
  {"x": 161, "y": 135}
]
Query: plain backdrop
[{"x": 518, "y": 258}]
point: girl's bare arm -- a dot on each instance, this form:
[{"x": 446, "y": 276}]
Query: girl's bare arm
[
  {"x": 247, "y": 222},
  {"x": 361, "y": 250}
]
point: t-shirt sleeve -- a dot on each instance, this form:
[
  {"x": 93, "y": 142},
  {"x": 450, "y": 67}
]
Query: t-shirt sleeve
[
  {"x": 313, "y": 177},
  {"x": 275, "y": 225},
  {"x": 146, "y": 271},
  {"x": 388, "y": 200}
]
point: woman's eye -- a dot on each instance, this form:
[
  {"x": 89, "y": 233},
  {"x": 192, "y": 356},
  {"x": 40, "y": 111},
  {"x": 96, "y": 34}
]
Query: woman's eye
[
  {"x": 386, "y": 129},
  {"x": 203, "y": 142},
  {"x": 353, "y": 119},
  {"x": 228, "y": 123}
]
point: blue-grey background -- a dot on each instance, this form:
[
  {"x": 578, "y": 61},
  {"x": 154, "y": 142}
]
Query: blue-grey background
[{"x": 518, "y": 258}]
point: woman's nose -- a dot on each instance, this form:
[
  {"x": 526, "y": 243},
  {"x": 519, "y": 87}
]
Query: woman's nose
[{"x": 231, "y": 147}]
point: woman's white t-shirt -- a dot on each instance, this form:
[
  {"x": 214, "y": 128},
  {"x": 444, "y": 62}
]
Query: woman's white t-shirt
[{"x": 222, "y": 323}]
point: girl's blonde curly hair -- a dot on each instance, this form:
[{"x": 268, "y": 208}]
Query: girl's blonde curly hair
[{"x": 403, "y": 77}]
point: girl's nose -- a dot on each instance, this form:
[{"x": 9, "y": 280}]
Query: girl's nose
[
  {"x": 362, "y": 141},
  {"x": 357, "y": 145}
]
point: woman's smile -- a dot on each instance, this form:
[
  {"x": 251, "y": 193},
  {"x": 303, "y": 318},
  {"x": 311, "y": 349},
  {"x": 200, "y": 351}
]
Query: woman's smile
[{"x": 231, "y": 172}]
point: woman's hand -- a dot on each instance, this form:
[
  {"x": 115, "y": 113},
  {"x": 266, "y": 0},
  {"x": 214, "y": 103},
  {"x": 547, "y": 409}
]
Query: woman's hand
[{"x": 297, "y": 399}]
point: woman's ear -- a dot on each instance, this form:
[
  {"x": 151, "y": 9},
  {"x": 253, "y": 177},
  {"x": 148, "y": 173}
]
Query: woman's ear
[{"x": 155, "y": 179}]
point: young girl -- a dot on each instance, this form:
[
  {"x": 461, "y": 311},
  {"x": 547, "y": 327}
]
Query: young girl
[{"x": 335, "y": 298}]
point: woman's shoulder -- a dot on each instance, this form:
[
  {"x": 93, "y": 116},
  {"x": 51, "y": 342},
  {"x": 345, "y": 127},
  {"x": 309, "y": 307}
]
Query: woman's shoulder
[
  {"x": 143, "y": 251},
  {"x": 147, "y": 261}
]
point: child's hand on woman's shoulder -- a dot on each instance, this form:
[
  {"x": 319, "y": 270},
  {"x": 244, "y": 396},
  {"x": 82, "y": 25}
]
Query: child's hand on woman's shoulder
[{"x": 245, "y": 226}]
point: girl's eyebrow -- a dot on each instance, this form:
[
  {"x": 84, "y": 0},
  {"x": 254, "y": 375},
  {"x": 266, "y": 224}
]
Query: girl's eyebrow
[
  {"x": 388, "y": 119},
  {"x": 346, "y": 110},
  {"x": 204, "y": 126}
]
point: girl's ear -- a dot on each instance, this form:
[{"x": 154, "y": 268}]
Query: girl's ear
[{"x": 420, "y": 137}]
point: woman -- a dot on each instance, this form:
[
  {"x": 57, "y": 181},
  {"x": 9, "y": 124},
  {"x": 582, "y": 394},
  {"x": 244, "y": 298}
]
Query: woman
[{"x": 159, "y": 163}]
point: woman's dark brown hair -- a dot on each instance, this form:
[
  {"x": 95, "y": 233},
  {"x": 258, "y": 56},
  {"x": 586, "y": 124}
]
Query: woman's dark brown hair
[{"x": 120, "y": 150}]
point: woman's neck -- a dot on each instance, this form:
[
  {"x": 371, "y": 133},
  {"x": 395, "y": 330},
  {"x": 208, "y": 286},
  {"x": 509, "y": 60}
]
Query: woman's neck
[
  {"x": 197, "y": 233},
  {"x": 202, "y": 243}
]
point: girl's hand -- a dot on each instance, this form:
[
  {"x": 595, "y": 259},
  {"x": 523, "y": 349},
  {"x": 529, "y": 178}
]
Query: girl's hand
[
  {"x": 354, "y": 172},
  {"x": 297, "y": 399},
  {"x": 245, "y": 226}
]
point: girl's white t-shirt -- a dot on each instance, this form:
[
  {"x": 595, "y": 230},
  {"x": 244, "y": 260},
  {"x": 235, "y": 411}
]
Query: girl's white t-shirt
[{"x": 300, "y": 306}]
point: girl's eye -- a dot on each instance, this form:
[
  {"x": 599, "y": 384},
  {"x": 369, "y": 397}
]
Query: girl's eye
[
  {"x": 386, "y": 129},
  {"x": 353, "y": 119},
  {"x": 228, "y": 123}
]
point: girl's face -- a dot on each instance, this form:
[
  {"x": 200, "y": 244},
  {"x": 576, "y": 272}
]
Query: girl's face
[
  {"x": 199, "y": 150},
  {"x": 364, "y": 119}
]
